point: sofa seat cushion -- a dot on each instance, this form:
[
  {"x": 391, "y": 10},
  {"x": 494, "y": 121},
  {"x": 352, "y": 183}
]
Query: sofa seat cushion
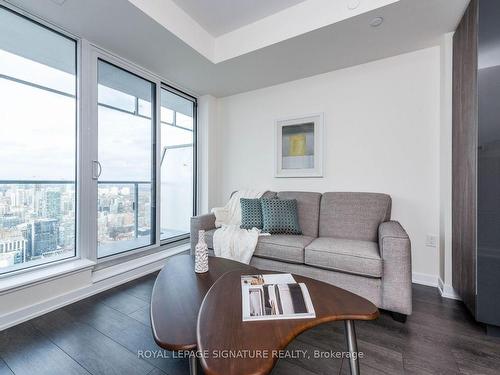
[
  {"x": 351, "y": 256},
  {"x": 283, "y": 247}
]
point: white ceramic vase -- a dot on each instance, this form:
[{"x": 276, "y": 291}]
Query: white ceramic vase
[{"x": 201, "y": 254}]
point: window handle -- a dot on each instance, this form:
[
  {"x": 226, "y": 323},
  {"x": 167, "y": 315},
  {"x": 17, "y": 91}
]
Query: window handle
[{"x": 96, "y": 169}]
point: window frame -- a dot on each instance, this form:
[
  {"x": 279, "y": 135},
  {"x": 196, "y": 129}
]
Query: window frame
[
  {"x": 38, "y": 264},
  {"x": 154, "y": 152},
  {"x": 87, "y": 55},
  {"x": 97, "y": 54},
  {"x": 194, "y": 100}
]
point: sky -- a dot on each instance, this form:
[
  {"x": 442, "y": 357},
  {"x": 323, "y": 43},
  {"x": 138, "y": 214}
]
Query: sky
[{"x": 38, "y": 128}]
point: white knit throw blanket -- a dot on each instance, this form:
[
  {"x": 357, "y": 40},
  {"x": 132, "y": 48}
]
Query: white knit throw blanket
[{"x": 230, "y": 241}]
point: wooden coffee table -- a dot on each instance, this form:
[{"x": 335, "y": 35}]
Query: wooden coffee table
[
  {"x": 202, "y": 312},
  {"x": 221, "y": 329},
  {"x": 176, "y": 299}
]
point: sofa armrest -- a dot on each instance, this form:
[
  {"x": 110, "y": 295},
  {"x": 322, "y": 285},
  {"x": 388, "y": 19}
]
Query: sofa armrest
[
  {"x": 200, "y": 222},
  {"x": 395, "y": 250}
]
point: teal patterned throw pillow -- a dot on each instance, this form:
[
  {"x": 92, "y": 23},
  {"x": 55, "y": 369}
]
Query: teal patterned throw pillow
[
  {"x": 251, "y": 213},
  {"x": 280, "y": 216}
]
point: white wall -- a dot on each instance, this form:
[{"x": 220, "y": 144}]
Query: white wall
[{"x": 382, "y": 134}]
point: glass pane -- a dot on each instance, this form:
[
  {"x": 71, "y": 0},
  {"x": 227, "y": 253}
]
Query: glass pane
[
  {"x": 125, "y": 147},
  {"x": 174, "y": 136},
  {"x": 184, "y": 121},
  {"x": 37, "y": 144},
  {"x": 144, "y": 108},
  {"x": 35, "y": 54},
  {"x": 167, "y": 115},
  {"x": 116, "y": 99},
  {"x": 298, "y": 146},
  {"x": 176, "y": 165}
]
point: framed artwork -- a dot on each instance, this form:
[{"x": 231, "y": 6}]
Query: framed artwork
[{"x": 299, "y": 146}]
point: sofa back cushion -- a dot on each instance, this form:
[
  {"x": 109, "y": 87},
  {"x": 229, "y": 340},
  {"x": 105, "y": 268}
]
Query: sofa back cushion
[
  {"x": 267, "y": 194},
  {"x": 307, "y": 208},
  {"x": 354, "y": 216}
]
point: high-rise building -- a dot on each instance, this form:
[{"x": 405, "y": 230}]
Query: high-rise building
[
  {"x": 45, "y": 235},
  {"x": 12, "y": 247},
  {"x": 67, "y": 234},
  {"x": 41, "y": 235},
  {"x": 52, "y": 205},
  {"x": 9, "y": 221},
  {"x": 26, "y": 230}
]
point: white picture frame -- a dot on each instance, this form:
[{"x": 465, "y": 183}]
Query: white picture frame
[{"x": 299, "y": 146}]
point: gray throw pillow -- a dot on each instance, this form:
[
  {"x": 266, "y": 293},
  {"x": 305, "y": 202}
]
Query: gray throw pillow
[
  {"x": 280, "y": 216},
  {"x": 251, "y": 213}
]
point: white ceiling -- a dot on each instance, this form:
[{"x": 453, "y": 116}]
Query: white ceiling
[
  {"x": 290, "y": 22},
  {"x": 222, "y": 16},
  {"x": 120, "y": 27}
]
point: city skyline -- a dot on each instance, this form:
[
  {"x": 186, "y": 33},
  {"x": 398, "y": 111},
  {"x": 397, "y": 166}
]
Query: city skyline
[{"x": 36, "y": 221}]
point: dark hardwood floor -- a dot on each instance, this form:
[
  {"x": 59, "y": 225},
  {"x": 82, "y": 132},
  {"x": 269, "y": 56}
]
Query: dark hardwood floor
[{"x": 107, "y": 333}]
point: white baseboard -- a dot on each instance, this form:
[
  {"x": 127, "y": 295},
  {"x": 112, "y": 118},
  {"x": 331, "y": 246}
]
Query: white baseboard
[
  {"x": 447, "y": 290},
  {"x": 101, "y": 280},
  {"x": 424, "y": 279}
]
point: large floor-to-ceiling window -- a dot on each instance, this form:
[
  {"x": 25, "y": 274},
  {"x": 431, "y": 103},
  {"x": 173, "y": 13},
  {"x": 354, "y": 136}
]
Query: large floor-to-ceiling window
[
  {"x": 95, "y": 162},
  {"x": 126, "y": 140},
  {"x": 38, "y": 113}
]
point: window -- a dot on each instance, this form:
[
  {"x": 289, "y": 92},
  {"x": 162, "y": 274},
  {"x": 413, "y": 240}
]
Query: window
[
  {"x": 37, "y": 143},
  {"x": 133, "y": 130},
  {"x": 126, "y": 185},
  {"x": 176, "y": 164}
]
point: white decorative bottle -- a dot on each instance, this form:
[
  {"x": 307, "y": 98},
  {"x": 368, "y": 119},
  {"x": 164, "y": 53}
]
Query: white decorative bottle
[{"x": 201, "y": 254}]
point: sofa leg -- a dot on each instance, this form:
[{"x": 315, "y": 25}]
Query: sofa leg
[{"x": 398, "y": 317}]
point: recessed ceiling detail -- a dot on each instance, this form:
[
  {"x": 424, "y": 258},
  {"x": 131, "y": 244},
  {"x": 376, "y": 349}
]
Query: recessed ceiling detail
[
  {"x": 220, "y": 31},
  {"x": 219, "y": 17}
]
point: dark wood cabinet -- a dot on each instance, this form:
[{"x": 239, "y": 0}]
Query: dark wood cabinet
[{"x": 476, "y": 161}]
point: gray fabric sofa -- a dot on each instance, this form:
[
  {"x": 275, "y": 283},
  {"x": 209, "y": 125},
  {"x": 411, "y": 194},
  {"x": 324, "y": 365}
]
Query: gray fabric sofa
[{"x": 347, "y": 240}]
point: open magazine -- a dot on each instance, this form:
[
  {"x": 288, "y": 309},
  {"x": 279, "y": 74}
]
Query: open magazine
[{"x": 275, "y": 296}]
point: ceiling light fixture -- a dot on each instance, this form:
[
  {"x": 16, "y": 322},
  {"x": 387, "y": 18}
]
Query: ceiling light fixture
[
  {"x": 59, "y": 2},
  {"x": 376, "y": 22},
  {"x": 353, "y": 4}
]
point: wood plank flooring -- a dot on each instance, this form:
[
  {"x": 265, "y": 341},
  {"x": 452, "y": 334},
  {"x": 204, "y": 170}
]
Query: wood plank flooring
[{"x": 104, "y": 334}]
